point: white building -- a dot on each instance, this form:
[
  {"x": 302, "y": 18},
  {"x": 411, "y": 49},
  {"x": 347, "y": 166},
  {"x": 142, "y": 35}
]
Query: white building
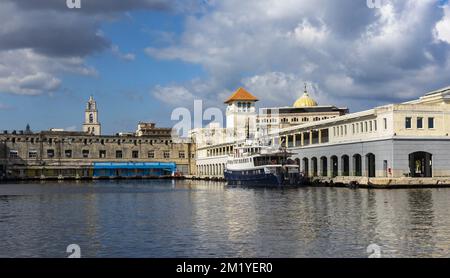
[
  {"x": 395, "y": 140},
  {"x": 215, "y": 143},
  {"x": 304, "y": 110}
]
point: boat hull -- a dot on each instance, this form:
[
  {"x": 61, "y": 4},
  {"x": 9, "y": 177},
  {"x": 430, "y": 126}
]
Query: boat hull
[{"x": 261, "y": 179}]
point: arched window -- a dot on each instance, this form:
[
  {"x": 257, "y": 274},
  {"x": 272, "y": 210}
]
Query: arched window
[{"x": 91, "y": 118}]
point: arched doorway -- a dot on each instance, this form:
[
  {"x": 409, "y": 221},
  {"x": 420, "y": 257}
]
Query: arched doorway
[
  {"x": 324, "y": 166},
  {"x": 370, "y": 159},
  {"x": 421, "y": 164},
  {"x": 314, "y": 166},
  {"x": 345, "y": 165},
  {"x": 306, "y": 167},
  {"x": 334, "y": 166},
  {"x": 357, "y": 165}
]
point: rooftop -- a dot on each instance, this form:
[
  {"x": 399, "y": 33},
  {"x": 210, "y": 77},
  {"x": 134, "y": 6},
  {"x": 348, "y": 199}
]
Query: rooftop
[{"x": 241, "y": 94}]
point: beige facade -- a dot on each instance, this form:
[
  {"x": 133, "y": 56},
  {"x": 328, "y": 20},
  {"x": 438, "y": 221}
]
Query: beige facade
[
  {"x": 24, "y": 155},
  {"x": 61, "y": 154},
  {"x": 150, "y": 129}
]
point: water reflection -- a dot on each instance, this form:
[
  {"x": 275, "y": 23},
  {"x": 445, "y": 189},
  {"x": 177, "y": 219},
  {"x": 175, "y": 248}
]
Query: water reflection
[{"x": 206, "y": 219}]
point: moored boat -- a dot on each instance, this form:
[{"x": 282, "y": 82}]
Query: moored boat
[{"x": 262, "y": 166}]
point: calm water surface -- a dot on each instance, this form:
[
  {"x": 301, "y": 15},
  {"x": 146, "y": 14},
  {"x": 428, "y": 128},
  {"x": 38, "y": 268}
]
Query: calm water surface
[{"x": 207, "y": 219}]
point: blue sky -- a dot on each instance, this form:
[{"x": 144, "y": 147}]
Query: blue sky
[
  {"x": 142, "y": 59},
  {"x": 121, "y": 87}
]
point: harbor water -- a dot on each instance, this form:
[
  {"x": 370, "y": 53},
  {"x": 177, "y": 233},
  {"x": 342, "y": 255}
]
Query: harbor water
[{"x": 164, "y": 218}]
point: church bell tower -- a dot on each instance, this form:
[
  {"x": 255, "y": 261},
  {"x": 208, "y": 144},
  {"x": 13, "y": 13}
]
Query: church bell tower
[{"x": 91, "y": 124}]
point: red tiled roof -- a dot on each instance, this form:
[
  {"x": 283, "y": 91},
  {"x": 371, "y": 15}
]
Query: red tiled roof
[{"x": 241, "y": 94}]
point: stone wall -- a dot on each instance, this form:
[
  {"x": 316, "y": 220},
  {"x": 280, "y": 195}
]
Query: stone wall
[{"x": 19, "y": 152}]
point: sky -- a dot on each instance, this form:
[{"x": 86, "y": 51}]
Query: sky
[{"x": 141, "y": 59}]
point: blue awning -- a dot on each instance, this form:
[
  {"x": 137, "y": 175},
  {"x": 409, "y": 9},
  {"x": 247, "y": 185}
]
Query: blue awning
[{"x": 135, "y": 165}]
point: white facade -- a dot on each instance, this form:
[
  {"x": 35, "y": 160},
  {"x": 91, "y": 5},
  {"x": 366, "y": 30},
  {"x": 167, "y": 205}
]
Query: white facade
[
  {"x": 241, "y": 118},
  {"x": 396, "y": 140}
]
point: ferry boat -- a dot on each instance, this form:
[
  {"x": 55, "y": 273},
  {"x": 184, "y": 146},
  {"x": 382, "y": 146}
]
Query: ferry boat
[{"x": 262, "y": 166}]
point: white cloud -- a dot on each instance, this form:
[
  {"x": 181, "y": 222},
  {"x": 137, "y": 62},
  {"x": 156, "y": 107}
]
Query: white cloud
[
  {"x": 442, "y": 31},
  {"x": 185, "y": 94},
  {"x": 309, "y": 35},
  {"x": 173, "y": 95},
  {"x": 26, "y": 73},
  {"x": 124, "y": 56},
  {"x": 41, "y": 41},
  {"x": 276, "y": 87},
  {"x": 367, "y": 56}
]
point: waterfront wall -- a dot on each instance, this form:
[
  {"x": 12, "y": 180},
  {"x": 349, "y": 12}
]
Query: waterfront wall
[
  {"x": 74, "y": 153},
  {"x": 384, "y": 158},
  {"x": 388, "y": 158},
  {"x": 438, "y": 148}
]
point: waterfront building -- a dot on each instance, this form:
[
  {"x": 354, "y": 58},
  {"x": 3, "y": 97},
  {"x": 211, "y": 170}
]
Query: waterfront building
[
  {"x": 409, "y": 139},
  {"x": 150, "y": 129},
  {"x": 304, "y": 110},
  {"x": 241, "y": 118},
  {"x": 215, "y": 144},
  {"x": 71, "y": 154}
]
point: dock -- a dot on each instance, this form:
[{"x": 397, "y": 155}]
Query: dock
[{"x": 382, "y": 183}]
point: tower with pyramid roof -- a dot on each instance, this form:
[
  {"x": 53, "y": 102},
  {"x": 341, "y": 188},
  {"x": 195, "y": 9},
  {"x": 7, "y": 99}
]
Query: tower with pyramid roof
[{"x": 241, "y": 113}]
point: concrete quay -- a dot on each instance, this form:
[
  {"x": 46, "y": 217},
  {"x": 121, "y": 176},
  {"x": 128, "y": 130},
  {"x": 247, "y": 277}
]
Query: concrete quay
[
  {"x": 389, "y": 183},
  {"x": 362, "y": 182},
  {"x": 206, "y": 178}
]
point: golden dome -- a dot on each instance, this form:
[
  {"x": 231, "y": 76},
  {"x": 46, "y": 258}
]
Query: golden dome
[{"x": 305, "y": 101}]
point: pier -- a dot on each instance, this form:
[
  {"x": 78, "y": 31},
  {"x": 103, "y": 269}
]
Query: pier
[{"x": 386, "y": 183}]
